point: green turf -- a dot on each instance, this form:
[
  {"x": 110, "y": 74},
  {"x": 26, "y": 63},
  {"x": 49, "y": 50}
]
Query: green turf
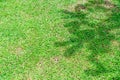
[{"x": 59, "y": 40}]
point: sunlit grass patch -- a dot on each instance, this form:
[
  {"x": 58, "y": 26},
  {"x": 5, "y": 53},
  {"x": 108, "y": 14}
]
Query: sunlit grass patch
[{"x": 59, "y": 39}]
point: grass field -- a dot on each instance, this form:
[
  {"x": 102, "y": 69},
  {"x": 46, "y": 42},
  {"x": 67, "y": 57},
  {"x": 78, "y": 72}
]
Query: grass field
[{"x": 59, "y": 39}]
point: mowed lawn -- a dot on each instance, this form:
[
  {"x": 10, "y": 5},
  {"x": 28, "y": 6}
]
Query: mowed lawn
[{"x": 59, "y": 40}]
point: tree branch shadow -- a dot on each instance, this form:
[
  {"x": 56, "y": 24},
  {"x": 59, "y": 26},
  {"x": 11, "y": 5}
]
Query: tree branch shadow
[{"x": 97, "y": 35}]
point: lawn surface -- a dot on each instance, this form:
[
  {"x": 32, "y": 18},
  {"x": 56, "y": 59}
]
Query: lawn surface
[{"x": 59, "y": 39}]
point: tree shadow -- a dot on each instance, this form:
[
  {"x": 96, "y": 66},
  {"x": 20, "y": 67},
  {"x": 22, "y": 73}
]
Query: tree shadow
[{"x": 96, "y": 32}]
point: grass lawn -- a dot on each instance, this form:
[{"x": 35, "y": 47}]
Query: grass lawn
[{"x": 59, "y": 39}]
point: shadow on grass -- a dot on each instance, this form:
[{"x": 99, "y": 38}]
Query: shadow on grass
[{"x": 95, "y": 30}]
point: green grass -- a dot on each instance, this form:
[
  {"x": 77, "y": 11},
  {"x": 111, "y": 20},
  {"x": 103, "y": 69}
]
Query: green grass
[{"x": 49, "y": 40}]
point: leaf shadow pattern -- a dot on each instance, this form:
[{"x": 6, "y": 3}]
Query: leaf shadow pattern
[{"x": 96, "y": 32}]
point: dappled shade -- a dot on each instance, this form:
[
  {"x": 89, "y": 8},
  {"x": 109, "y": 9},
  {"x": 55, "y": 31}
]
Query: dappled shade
[{"x": 95, "y": 30}]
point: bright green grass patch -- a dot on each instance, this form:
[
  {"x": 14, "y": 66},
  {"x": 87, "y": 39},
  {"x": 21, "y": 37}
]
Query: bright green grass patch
[{"x": 48, "y": 40}]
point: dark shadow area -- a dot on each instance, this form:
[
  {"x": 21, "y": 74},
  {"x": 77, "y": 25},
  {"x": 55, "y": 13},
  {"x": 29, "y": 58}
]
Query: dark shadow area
[{"x": 96, "y": 32}]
